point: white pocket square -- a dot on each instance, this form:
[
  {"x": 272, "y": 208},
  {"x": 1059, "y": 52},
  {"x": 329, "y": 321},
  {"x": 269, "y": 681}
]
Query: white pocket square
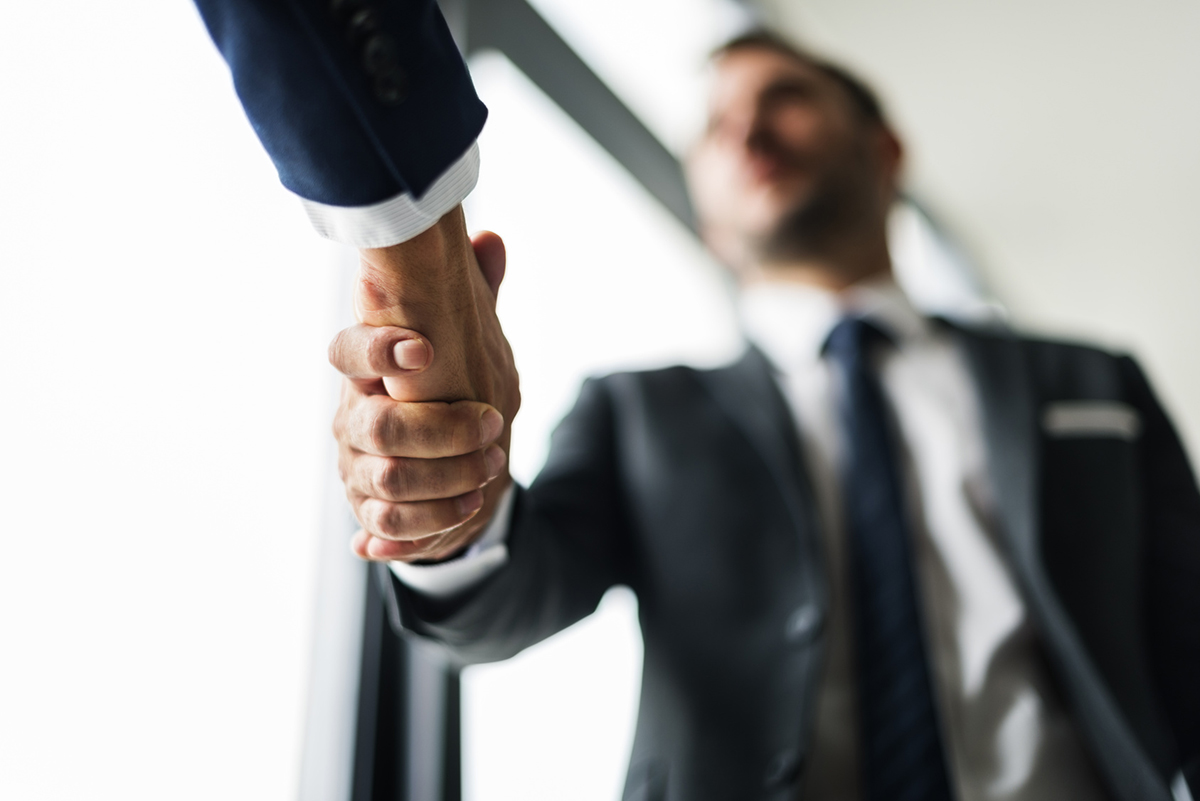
[{"x": 1091, "y": 419}]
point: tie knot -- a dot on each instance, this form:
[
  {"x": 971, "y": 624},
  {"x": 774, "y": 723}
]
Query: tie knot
[{"x": 851, "y": 337}]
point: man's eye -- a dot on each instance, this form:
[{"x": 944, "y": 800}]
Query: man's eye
[{"x": 801, "y": 93}]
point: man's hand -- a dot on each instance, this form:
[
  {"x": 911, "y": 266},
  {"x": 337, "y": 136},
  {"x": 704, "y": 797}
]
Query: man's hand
[
  {"x": 444, "y": 285},
  {"x": 423, "y": 423},
  {"x": 415, "y": 472}
]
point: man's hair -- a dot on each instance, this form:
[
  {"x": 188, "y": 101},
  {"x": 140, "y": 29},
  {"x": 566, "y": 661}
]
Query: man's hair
[{"x": 862, "y": 97}]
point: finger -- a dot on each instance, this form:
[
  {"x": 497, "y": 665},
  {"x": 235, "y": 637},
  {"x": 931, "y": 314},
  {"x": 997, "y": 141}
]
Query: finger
[
  {"x": 373, "y": 549},
  {"x": 380, "y": 426},
  {"x": 490, "y": 253},
  {"x": 397, "y": 479},
  {"x": 437, "y": 547},
  {"x": 364, "y": 352},
  {"x": 358, "y": 544},
  {"x": 413, "y": 521}
]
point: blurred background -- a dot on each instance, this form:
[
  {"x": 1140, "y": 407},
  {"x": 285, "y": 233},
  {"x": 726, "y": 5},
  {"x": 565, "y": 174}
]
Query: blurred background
[{"x": 165, "y": 461}]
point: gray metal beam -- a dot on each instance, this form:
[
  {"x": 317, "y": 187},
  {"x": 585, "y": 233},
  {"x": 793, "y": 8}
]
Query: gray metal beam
[{"x": 515, "y": 29}]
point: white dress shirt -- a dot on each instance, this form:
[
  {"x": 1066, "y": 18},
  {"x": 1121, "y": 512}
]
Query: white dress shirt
[
  {"x": 1006, "y": 734},
  {"x": 1005, "y": 731}
]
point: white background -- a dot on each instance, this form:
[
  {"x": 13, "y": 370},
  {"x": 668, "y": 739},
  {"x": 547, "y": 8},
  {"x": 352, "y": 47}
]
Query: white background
[
  {"x": 163, "y": 317},
  {"x": 164, "y": 311}
]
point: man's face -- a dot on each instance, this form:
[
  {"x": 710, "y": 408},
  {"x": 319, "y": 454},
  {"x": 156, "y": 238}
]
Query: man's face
[{"x": 782, "y": 138}]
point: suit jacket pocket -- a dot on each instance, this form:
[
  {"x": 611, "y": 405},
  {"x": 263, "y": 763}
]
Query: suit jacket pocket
[{"x": 1091, "y": 418}]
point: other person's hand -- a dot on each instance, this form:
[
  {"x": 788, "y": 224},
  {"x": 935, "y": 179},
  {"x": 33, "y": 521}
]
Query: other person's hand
[{"x": 424, "y": 476}]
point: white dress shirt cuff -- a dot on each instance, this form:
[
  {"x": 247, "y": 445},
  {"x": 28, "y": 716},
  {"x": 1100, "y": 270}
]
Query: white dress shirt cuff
[
  {"x": 485, "y": 556},
  {"x": 399, "y": 218}
]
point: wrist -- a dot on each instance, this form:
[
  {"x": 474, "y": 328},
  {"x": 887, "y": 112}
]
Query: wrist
[{"x": 423, "y": 276}]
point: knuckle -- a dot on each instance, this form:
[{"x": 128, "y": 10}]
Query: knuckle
[
  {"x": 390, "y": 520},
  {"x": 386, "y": 529},
  {"x": 475, "y": 470},
  {"x": 381, "y": 432},
  {"x": 364, "y": 511},
  {"x": 392, "y": 479},
  {"x": 377, "y": 353},
  {"x": 335, "y": 348},
  {"x": 465, "y": 433},
  {"x": 339, "y": 348}
]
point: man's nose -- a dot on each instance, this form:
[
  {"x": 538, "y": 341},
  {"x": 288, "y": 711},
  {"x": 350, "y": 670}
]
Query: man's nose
[
  {"x": 742, "y": 125},
  {"x": 758, "y": 136}
]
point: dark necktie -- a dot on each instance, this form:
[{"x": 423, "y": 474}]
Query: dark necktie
[{"x": 901, "y": 745}]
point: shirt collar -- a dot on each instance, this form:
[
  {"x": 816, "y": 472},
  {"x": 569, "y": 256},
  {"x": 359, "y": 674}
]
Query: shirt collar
[{"x": 790, "y": 321}]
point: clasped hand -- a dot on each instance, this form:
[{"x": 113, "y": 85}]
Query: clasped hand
[{"x": 423, "y": 421}]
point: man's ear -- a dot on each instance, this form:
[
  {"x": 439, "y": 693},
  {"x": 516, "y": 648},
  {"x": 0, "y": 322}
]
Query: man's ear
[
  {"x": 890, "y": 154},
  {"x": 894, "y": 149}
]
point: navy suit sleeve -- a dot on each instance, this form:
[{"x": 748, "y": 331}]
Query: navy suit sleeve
[
  {"x": 356, "y": 101},
  {"x": 1172, "y": 516},
  {"x": 569, "y": 542}
]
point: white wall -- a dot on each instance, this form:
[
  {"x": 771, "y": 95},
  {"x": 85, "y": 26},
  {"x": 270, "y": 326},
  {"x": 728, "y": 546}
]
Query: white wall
[
  {"x": 1059, "y": 137},
  {"x": 164, "y": 311}
]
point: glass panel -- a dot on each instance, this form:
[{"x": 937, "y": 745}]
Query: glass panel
[
  {"x": 599, "y": 278},
  {"x": 657, "y": 65}
]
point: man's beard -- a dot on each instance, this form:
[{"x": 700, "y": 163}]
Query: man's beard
[{"x": 839, "y": 206}]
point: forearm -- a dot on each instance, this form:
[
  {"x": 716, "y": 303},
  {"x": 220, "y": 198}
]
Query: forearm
[
  {"x": 569, "y": 541},
  {"x": 547, "y": 583}
]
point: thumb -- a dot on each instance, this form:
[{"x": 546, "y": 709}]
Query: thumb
[{"x": 489, "y": 252}]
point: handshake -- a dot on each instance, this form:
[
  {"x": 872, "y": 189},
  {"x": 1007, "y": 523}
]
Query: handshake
[{"x": 430, "y": 391}]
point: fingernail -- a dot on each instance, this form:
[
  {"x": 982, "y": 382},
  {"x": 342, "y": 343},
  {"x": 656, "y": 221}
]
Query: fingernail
[
  {"x": 470, "y": 503},
  {"x": 410, "y": 354},
  {"x": 491, "y": 424},
  {"x": 493, "y": 457}
]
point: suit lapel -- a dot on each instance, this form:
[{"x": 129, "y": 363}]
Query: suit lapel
[
  {"x": 748, "y": 394},
  {"x": 746, "y": 391},
  {"x": 1009, "y": 422},
  {"x": 1008, "y": 404}
]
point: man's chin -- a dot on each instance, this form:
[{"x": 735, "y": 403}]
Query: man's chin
[
  {"x": 762, "y": 221},
  {"x": 777, "y": 201}
]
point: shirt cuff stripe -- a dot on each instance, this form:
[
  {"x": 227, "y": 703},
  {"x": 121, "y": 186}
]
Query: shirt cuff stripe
[{"x": 399, "y": 218}]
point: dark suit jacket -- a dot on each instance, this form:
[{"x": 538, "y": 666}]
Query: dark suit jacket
[
  {"x": 356, "y": 101},
  {"x": 687, "y": 486}
]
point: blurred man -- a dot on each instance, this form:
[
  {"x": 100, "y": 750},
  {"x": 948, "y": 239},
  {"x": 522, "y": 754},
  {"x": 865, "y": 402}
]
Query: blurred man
[{"x": 879, "y": 557}]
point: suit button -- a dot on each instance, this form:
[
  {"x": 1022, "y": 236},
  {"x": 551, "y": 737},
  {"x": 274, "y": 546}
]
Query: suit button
[
  {"x": 391, "y": 88},
  {"x": 803, "y": 624},
  {"x": 362, "y": 23},
  {"x": 344, "y": 8},
  {"x": 783, "y": 769},
  {"x": 380, "y": 55}
]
